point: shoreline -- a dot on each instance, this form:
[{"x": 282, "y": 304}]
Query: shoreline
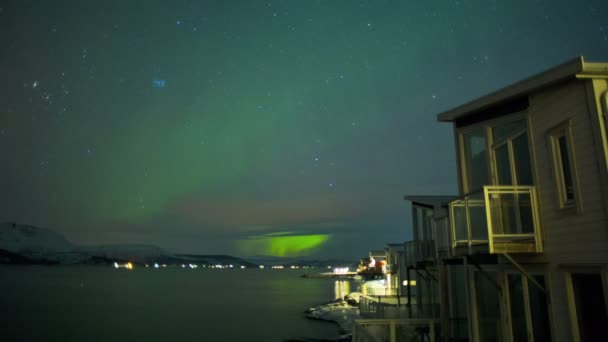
[{"x": 341, "y": 311}]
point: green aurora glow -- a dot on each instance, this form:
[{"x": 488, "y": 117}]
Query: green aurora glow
[
  {"x": 204, "y": 126},
  {"x": 279, "y": 245}
]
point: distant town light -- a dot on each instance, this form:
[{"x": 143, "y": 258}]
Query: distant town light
[
  {"x": 341, "y": 270},
  {"x": 127, "y": 265}
]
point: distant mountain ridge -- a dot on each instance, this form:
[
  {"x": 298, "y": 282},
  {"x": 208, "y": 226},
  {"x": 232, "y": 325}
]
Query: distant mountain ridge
[{"x": 27, "y": 244}]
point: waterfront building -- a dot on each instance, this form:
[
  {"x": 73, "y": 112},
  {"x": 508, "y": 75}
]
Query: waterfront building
[{"x": 521, "y": 254}]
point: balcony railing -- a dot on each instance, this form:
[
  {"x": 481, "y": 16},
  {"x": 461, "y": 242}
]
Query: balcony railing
[
  {"x": 513, "y": 219},
  {"x": 396, "y": 307},
  {"x": 505, "y": 218},
  {"x": 468, "y": 221},
  {"x": 419, "y": 250},
  {"x": 393, "y": 330}
]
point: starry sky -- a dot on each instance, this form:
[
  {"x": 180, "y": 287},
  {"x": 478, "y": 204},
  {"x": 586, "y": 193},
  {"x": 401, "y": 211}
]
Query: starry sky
[{"x": 286, "y": 128}]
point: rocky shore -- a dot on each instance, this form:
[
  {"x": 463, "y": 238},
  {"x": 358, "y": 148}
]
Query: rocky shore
[{"x": 342, "y": 311}]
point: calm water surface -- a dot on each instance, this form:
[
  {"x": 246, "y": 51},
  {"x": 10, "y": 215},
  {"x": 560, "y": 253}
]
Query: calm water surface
[{"x": 81, "y": 303}]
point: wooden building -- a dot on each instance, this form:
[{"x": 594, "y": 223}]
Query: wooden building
[{"x": 527, "y": 239}]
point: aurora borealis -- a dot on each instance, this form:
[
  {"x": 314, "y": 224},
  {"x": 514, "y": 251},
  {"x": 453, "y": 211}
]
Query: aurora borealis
[{"x": 254, "y": 127}]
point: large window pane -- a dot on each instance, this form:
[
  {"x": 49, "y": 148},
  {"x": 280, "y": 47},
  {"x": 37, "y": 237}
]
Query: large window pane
[
  {"x": 518, "y": 312},
  {"x": 539, "y": 311},
  {"x": 458, "y": 303},
  {"x": 525, "y": 214},
  {"x": 507, "y": 130},
  {"x": 590, "y": 306},
  {"x": 521, "y": 154},
  {"x": 503, "y": 165},
  {"x": 565, "y": 167},
  {"x": 476, "y": 160},
  {"x": 488, "y": 306}
]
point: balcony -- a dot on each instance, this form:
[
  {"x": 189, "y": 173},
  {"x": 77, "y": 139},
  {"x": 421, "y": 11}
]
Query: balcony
[
  {"x": 442, "y": 240},
  {"x": 396, "y": 307},
  {"x": 502, "y": 219},
  {"x": 393, "y": 330},
  {"x": 418, "y": 251}
]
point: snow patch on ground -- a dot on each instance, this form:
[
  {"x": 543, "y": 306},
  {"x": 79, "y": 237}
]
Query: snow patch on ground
[{"x": 342, "y": 311}]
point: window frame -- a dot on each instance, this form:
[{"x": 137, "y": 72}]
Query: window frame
[
  {"x": 487, "y": 127},
  {"x": 563, "y": 202},
  {"x": 569, "y": 270}
]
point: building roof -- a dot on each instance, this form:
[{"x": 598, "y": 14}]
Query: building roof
[
  {"x": 378, "y": 253},
  {"x": 574, "y": 69},
  {"x": 434, "y": 201}
]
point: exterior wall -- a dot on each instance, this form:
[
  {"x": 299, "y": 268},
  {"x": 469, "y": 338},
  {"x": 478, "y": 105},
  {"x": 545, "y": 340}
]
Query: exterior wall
[
  {"x": 570, "y": 235},
  {"x": 575, "y": 235},
  {"x": 574, "y": 238},
  {"x": 597, "y": 93}
]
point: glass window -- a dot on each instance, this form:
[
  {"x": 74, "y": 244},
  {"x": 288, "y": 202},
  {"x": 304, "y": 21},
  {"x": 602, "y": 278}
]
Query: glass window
[
  {"x": 539, "y": 311},
  {"x": 458, "y": 305},
  {"x": 562, "y": 165},
  {"x": 502, "y": 132},
  {"x": 503, "y": 165},
  {"x": 523, "y": 166},
  {"x": 518, "y": 312},
  {"x": 565, "y": 167},
  {"x": 590, "y": 308},
  {"x": 488, "y": 306},
  {"x": 475, "y": 159}
]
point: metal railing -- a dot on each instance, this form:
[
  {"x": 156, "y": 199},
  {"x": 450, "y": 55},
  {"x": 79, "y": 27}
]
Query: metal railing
[
  {"x": 468, "y": 220},
  {"x": 503, "y": 217},
  {"x": 513, "y": 219},
  {"x": 393, "y": 330},
  {"x": 379, "y": 291},
  {"x": 396, "y": 307},
  {"x": 419, "y": 250}
]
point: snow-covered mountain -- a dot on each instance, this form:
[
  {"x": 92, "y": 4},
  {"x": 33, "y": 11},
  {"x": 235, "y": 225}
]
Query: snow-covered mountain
[
  {"x": 20, "y": 243},
  {"x": 25, "y": 243},
  {"x": 21, "y": 238}
]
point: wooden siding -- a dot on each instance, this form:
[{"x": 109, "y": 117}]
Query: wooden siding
[
  {"x": 570, "y": 236},
  {"x": 598, "y": 89}
]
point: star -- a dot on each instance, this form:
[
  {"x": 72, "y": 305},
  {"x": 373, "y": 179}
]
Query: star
[{"x": 159, "y": 83}]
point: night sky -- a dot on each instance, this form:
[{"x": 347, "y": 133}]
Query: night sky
[{"x": 254, "y": 127}]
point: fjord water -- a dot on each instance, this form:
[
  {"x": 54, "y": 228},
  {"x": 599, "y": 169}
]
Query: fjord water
[{"x": 96, "y": 303}]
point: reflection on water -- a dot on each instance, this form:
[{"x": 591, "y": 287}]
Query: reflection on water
[
  {"x": 82, "y": 303},
  {"x": 341, "y": 288}
]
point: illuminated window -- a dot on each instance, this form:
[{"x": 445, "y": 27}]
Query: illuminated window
[{"x": 563, "y": 166}]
